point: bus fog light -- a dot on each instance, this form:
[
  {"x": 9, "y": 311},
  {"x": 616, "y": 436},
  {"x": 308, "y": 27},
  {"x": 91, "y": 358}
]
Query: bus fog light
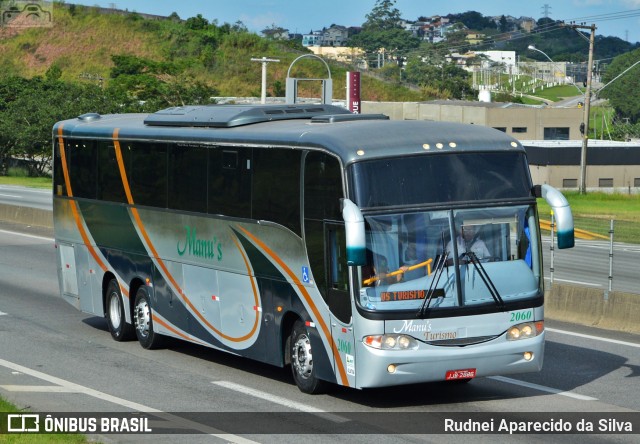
[
  {"x": 528, "y": 356},
  {"x": 391, "y": 368}
]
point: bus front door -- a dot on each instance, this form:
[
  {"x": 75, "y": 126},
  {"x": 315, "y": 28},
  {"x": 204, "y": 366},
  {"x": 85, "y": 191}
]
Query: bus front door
[{"x": 339, "y": 301}]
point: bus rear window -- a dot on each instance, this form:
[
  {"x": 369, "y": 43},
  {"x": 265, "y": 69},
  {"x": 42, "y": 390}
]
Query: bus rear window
[{"x": 441, "y": 178}]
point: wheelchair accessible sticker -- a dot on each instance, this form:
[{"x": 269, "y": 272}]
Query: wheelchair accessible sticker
[{"x": 305, "y": 275}]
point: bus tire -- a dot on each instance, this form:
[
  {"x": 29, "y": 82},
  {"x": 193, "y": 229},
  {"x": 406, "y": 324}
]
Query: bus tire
[
  {"x": 142, "y": 318},
  {"x": 302, "y": 368},
  {"x": 115, "y": 313}
]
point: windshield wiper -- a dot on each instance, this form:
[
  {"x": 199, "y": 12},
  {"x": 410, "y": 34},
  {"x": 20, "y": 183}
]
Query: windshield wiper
[
  {"x": 434, "y": 284},
  {"x": 485, "y": 278}
]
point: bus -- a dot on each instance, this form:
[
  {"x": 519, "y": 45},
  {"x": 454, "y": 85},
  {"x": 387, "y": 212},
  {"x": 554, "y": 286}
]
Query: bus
[{"x": 308, "y": 237}]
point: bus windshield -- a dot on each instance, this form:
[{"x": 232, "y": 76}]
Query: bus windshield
[
  {"x": 428, "y": 261},
  {"x": 440, "y": 178}
]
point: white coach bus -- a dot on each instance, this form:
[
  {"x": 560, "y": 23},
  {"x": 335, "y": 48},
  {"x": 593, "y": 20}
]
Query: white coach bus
[{"x": 360, "y": 251}]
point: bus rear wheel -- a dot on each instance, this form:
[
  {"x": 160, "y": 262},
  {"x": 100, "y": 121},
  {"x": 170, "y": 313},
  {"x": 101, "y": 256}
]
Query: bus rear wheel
[
  {"x": 302, "y": 361},
  {"x": 115, "y": 313},
  {"x": 142, "y": 317}
]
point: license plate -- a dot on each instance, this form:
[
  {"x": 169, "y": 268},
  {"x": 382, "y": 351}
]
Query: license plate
[{"x": 468, "y": 373}]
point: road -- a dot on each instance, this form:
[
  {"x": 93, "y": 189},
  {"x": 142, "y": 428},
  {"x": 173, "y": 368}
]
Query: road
[
  {"x": 56, "y": 359},
  {"x": 26, "y": 197},
  {"x": 588, "y": 264}
]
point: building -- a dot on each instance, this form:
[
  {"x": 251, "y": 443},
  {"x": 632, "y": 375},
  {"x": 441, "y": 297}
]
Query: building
[
  {"x": 334, "y": 36},
  {"x": 611, "y": 166},
  {"x": 524, "y": 122}
]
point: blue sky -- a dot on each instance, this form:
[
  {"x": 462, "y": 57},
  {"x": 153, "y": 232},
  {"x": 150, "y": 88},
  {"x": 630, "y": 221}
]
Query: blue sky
[{"x": 302, "y": 16}]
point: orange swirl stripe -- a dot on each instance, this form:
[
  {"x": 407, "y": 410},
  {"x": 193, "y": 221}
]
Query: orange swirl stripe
[
  {"x": 160, "y": 262},
  {"x": 307, "y": 297}
]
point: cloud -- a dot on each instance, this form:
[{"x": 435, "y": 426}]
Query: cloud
[{"x": 262, "y": 21}]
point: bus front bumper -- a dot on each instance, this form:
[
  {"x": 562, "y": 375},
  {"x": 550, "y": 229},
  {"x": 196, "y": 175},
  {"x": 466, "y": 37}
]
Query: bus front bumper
[{"x": 380, "y": 368}]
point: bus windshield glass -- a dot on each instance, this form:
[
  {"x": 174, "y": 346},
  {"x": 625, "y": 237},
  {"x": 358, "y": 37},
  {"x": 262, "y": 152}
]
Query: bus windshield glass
[
  {"x": 440, "y": 178},
  {"x": 413, "y": 264}
]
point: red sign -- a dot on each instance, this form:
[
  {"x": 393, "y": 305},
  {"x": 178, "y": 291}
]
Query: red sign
[
  {"x": 468, "y": 373},
  {"x": 353, "y": 92}
]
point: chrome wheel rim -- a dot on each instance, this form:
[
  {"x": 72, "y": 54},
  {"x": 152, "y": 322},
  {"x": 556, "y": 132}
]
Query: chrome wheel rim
[
  {"x": 302, "y": 359},
  {"x": 143, "y": 318},
  {"x": 115, "y": 310}
]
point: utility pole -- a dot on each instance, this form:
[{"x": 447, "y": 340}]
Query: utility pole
[
  {"x": 264, "y": 61},
  {"x": 584, "y": 128}
]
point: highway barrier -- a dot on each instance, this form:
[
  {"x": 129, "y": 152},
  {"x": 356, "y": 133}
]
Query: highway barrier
[
  {"x": 611, "y": 310},
  {"x": 26, "y": 216}
]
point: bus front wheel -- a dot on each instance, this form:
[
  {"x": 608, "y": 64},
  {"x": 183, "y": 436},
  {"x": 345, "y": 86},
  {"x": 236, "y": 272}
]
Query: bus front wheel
[
  {"x": 142, "y": 317},
  {"x": 302, "y": 361},
  {"x": 115, "y": 314}
]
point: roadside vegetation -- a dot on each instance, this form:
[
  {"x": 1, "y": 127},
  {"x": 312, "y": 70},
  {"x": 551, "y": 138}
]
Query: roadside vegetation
[
  {"x": 29, "y": 438},
  {"x": 593, "y": 212}
]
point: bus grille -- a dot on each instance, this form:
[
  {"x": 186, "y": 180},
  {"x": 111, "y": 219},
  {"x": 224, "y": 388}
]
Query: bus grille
[{"x": 461, "y": 342}]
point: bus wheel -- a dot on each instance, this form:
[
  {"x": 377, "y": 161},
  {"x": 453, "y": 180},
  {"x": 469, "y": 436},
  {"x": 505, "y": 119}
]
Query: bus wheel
[
  {"x": 302, "y": 361},
  {"x": 118, "y": 327},
  {"x": 143, "y": 321}
]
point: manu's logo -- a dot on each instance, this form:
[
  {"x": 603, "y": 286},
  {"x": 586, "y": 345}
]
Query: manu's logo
[{"x": 204, "y": 248}]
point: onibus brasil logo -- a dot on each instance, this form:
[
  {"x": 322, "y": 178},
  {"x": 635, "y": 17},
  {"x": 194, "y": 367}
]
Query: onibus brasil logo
[{"x": 26, "y": 14}]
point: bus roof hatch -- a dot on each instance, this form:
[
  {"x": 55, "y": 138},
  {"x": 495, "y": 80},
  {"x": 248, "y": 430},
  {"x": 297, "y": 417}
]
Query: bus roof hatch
[{"x": 227, "y": 116}]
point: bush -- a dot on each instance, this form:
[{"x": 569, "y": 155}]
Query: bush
[{"x": 17, "y": 172}]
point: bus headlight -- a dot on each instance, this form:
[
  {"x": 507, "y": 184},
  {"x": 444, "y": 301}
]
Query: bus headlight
[
  {"x": 525, "y": 331},
  {"x": 391, "y": 342}
]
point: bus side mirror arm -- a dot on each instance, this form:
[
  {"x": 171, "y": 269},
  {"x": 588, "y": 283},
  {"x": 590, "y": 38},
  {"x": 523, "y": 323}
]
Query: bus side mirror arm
[
  {"x": 562, "y": 212},
  {"x": 354, "y": 227}
]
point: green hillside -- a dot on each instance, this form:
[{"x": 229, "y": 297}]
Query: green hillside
[{"x": 83, "y": 41}]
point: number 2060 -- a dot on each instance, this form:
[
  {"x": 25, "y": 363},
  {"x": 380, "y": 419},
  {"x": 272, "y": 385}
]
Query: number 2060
[{"x": 521, "y": 316}]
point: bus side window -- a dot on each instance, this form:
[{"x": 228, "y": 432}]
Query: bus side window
[
  {"x": 110, "y": 187},
  {"x": 187, "y": 178},
  {"x": 230, "y": 172}
]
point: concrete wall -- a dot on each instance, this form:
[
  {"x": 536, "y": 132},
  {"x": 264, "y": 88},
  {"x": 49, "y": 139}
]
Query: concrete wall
[
  {"x": 26, "y": 216},
  {"x": 589, "y": 306}
]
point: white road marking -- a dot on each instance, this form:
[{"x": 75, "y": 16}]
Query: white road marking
[
  {"x": 543, "y": 388},
  {"x": 38, "y": 388},
  {"x": 595, "y": 338},
  {"x": 31, "y": 236},
  {"x": 573, "y": 282},
  {"x": 10, "y": 195},
  {"x": 175, "y": 420},
  {"x": 280, "y": 400},
  {"x": 2, "y": 313}
]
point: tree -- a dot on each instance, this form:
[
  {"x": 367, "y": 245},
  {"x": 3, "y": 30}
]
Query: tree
[
  {"x": 197, "y": 22},
  {"x": 624, "y": 92},
  {"x": 30, "y": 107},
  {"x": 473, "y": 20},
  {"x": 503, "y": 25},
  {"x": 382, "y": 31},
  {"x": 445, "y": 80}
]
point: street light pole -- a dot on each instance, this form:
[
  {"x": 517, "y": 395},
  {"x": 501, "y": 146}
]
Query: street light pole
[
  {"x": 587, "y": 107},
  {"x": 264, "y": 61}
]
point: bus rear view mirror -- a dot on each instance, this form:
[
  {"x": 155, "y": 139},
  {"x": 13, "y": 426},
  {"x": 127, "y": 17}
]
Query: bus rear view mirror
[
  {"x": 354, "y": 227},
  {"x": 562, "y": 212}
]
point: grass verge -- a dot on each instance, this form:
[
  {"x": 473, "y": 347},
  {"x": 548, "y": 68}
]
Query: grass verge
[
  {"x": 30, "y": 438},
  {"x": 35, "y": 182},
  {"x": 594, "y": 211}
]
